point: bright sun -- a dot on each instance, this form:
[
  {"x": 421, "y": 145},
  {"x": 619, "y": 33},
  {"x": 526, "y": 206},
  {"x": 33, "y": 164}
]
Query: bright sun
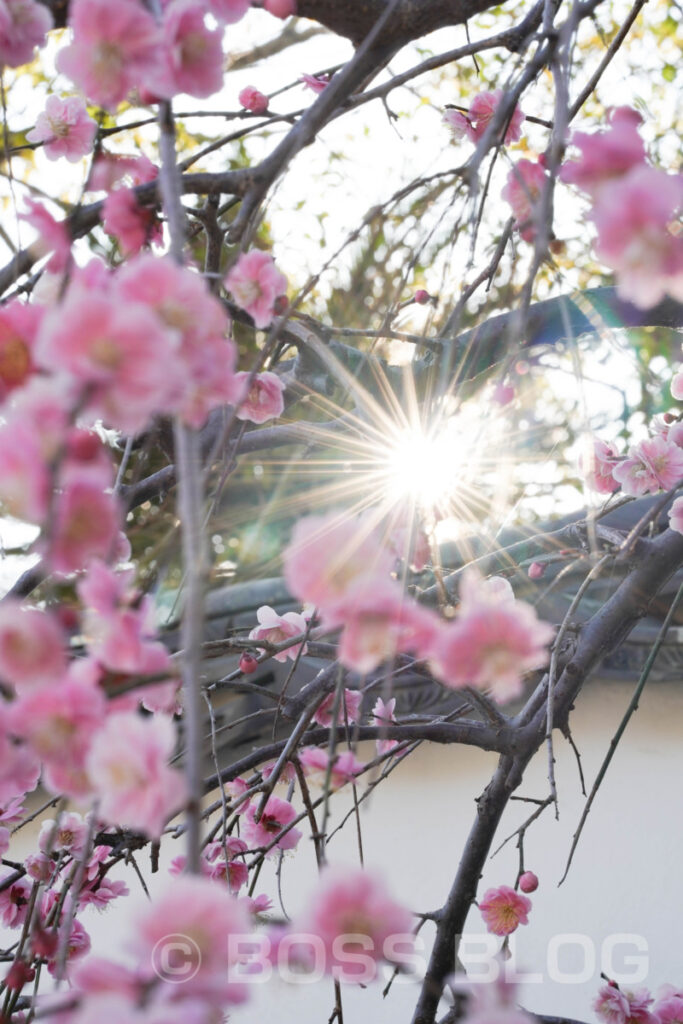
[{"x": 435, "y": 468}]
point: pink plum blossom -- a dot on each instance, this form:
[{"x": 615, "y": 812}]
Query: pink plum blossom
[
  {"x": 97, "y": 975},
  {"x": 128, "y": 768},
  {"x": 209, "y": 381},
  {"x": 207, "y": 917},
  {"x": 232, "y": 870},
  {"x": 674, "y": 433},
  {"x": 119, "y": 623},
  {"x": 133, "y": 225},
  {"x": 613, "y": 1006},
  {"x": 65, "y": 127},
  {"x": 493, "y": 641},
  {"x": 476, "y": 121},
  {"x": 53, "y": 236},
  {"x": 39, "y": 867},
  {"x": 228, "y": 11},
  {"x": 606, "y": 155},
  {"x": 318, "y": 83},
  {"x": 97, "y": 858},
  {"x": 342, "y": 768},
  {"x": 275, "y": 629},
  {"x": 287, "y": 773},
  {"x": 18, "y": 328},
  {"x": 677, "y": 386},
  {"x": 632, "y": 219},
  {"x": 42, "y": 407},
  {"x": 101, "y": 893},
  {"x": 277, "y": 815},
  {"x": 522, "y": 191},
  {"x": 676, "y": 515},
  {"x": 653, "y": 465},
  {"x": 77, "y": 946},
  {"x": 19, "y": 765},
  {"x": 597, "y": 466},
  {"x": 59, "y": 724},
  {"x": 23, "y": 26},
  {"x": 669, "y": 1006},
  {"x": 68, "y": 834},
  {"x": 24, "y": 476},
  {"x": 458, "y": 123},
  {"x": 327, "y": 554},
  {"x": 264, "y": 399},
  {"x": 252, "y": 99},
  {"x": 109, "y": 169},
  {"x": 280, "y": 8},
  {"x": 86, "y": 525},
  {"x": 256, "y": 284},
  {"x": 85, "y": 457},
  {"x": 192, "y": 53},
  {"x": 14, "y": 899},
  {"x": 639, "y": 1002},
  {"x": 384, "y": 714},
  {"x": 199, "y": 325},
  {"x": 349, "y": 708},
  {"x": 381, "y": 621},
  {"x": 31, "y": 647},
  {"x": 234, "y": 873},
  {"x": 114, "y": 49},
  {"x": 352, "y": 912},
  {"x": 115, "y": 350},
  {"x": 12, "y": 811},
  {"x": 504, "y": 910}
]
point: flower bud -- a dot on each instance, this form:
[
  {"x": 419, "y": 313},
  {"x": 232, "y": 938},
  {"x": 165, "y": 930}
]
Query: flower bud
[
  {"x": 503, "y": 394},
  {"x": 280, "y": 8},
  {"x": 536, "y": 570},
  {"x": 528, "y": 882},
  {"x": 253, "y": 99},
  {"x": 248, "y": 663},
  {"x": 422, "y": 297}
]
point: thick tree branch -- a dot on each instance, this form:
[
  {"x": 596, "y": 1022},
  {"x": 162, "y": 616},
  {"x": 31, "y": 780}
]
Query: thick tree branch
[
  {"x": 355, "y": 18},
  {"x": 601, "y": 635},
  {"x": 473, "y": 734},
  {"x": 411, "y": 20}
]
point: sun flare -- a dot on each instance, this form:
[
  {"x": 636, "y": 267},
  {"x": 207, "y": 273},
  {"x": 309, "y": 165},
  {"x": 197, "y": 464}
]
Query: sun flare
[{"x": 434, "y": 468}]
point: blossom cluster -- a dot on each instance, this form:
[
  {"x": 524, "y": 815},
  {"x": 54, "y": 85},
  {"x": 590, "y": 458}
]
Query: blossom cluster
[
  {"x": 614, "y": 1005},
  {"x": 633, "y": 207},
  {"x": 342, "y": 567},
  {"x": 655, "y": 464}
]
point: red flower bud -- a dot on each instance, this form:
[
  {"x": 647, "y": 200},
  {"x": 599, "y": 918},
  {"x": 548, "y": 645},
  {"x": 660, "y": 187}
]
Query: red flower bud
[
  {"x": 528, "y": 882},
  {"x": 503, "y": 394},
  {"x": 248, "y": 663}
]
